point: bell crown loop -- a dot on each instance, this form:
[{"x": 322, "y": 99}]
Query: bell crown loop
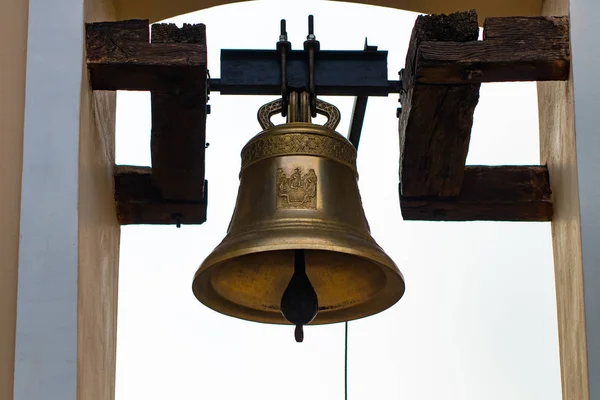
[
  {"x": 299, "y": 136},
  {"x": 303, "y": 115}
]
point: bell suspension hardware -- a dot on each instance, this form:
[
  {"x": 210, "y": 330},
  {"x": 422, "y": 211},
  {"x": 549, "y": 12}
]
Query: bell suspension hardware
[
  {"x": 319, "y": 72},
  {"x": 312, "y": 70},
  {"x": 311, "y": 45},
  {"x": 284, "y": 47}
]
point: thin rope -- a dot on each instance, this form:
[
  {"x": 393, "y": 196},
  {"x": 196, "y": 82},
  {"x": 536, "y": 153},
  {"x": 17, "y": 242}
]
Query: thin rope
[{"x": 346, "y": 364}]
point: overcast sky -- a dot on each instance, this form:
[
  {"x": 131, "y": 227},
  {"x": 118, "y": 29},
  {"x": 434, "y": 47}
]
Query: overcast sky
[{"x": 477, "y": 322}]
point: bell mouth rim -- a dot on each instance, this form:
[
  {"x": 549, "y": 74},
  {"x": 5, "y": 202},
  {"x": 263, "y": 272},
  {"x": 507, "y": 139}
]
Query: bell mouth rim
[{"x": 393, "y": 290}]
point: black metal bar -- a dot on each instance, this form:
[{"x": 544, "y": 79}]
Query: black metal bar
[
  {"x": 311, "y": 46},
  {"x": 283, "y": 48},
  {"x": 357, "y": 120},
  {"x": 214, "y": 84},
  {"x": 337, "y": 73},
  {"x": 393, "y": 87},
  {"x": 359, "y": 109}
]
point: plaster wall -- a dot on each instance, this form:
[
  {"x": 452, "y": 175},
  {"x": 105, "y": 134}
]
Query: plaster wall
[
  {"x": 558, "y": 151},
  {"x": 99, "y": 234},
  {"x": 585, "y": 59},
  {"x": 13, "y": 53}
]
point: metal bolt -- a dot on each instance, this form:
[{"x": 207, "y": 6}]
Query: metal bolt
[
  {"x": 207, "y": 82},
  {"x": 283, "y": 37},
  {"x": 311, "y": 28},
  {"x": 177, "y": 219}
]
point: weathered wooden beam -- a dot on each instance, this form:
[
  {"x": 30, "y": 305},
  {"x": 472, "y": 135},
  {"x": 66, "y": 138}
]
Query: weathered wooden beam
[
  {"x": 120, "y": 57},
  {"x": 435, "y": 122},
  {"x": 513, "y": 49},
  {"x": 139, "y": 202},
  {"x": 179, "y": 126},
  {"x": 502, "y": 193}
]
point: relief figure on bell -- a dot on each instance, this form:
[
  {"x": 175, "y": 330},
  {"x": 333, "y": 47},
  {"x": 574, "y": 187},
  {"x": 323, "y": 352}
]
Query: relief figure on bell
[
  {"x": 297, "y": 190},
  {"x": 296, "y": 179},
  {"x": 310, "y": 185},
  {"x": 283, "y": 184}
]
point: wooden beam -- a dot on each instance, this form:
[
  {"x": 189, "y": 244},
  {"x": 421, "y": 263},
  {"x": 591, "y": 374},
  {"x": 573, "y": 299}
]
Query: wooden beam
[
  {"x": 499, "y": 193},
  {"x": 435, "y": 122},
  {"x": 513, "y": 49},
  {"x": 120, "y": 57},
  {"x": 139, "y": 202},
  {"x": 179, "y": 126}
]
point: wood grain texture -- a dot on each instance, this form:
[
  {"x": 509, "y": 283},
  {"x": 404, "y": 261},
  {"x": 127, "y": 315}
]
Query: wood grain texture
[
  {"x": 140, "y": 202},
  {"x": 558, "y": 151},
  {"x": 514, "y": 49},
  {"x": 435, "y": 123},
  {"x": 179, "y": 127},
  {"x": 456, "y": 27},
  {"x": 120, "y": 57},
  {"x": 499, "y": 193}
]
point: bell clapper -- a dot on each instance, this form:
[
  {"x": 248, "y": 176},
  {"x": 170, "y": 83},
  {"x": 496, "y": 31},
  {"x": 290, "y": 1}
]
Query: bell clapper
[
  {"x": 299, "y": 333},
  {"x": 299, "y": 303}
]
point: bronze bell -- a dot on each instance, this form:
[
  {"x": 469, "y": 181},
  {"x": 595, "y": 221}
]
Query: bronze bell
[{"x": 298, "y": 224}]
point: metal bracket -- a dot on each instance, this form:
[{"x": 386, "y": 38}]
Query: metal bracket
[
  {"x": 320, "y": 73},
  {"x": 359, "y": 110}
]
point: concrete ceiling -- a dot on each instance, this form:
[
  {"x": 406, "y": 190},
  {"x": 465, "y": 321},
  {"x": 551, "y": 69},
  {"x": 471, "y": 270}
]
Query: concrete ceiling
[{"x": 157, "y": 10}]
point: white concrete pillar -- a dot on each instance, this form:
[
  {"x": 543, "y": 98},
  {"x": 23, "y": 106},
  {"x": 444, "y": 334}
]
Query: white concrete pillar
[
  {"x": 569, "y": 140},
  {"x": 585, "y": 14},
  {"x": 46, "y": 338},
  {"x": 67, "y": 279}
]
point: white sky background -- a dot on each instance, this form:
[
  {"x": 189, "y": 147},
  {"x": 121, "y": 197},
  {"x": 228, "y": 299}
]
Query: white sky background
[{"x": 477, "y": 322}]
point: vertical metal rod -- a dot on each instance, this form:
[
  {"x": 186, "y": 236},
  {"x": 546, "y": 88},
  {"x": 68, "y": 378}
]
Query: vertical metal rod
[
  {"x": 305, "y": 113},
  {"x": 346, "y": 363},
  {"x": 359, "y": 110},
  {"x": 283, "y": 47},
  {"x": 284, "y": 89},
  {"x": 312, "y": 89},
  {"x": 311, "y": 45},
  {"x": 293, "y": 113},
  {"x": 357, "y": 120}
]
